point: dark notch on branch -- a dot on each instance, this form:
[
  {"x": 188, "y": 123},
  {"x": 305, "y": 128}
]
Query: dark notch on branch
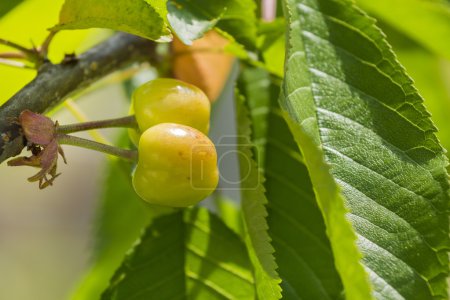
[{"x": 54, "y": 83}]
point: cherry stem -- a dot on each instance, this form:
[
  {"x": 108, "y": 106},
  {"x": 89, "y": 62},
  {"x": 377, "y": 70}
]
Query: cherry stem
[
  {"x": 13, "y": 63},
  {"x": 64, "y": 139},
  {"x": 13, "y": 55},
  {"x": 30, "y": 52},
  {"x": 46, "y": 44},
  {"x": 128, "y": 121},
  {"x": 37, "y": 55}
]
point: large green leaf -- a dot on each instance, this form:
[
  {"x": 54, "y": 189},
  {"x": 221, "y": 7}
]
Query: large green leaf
[
  {"x": 188, "y": 254},
  {"x": 135, "y": 17},
  {"x": 302, "y": 250},
  {"x": 427, "y": 22},
  {"x": 254, "y": 210},
  {"x": 369, "y": 145},
  {"x": 190, "y": 19}
]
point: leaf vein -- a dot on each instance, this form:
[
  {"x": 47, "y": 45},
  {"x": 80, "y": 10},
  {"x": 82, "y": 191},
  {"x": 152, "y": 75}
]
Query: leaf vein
[
  {"x": 422, "y": 237},
  {"x": 289, "y": 185},
  {"x": 395, "y": 148},
  {"x": 285, "y": 149},
  {"x": 304, "y": 263},
  {"x": 393, "y": 256},
  {"x": 311, "y": 35},
  {"x": 301, "y": 228},
  {"x": 152, "y": 287},
  {"x": 219, "y": 264},
  {"x": 324, "y": 74},
  {"x": 425, "y": 200},
  {"x": 210, "y": 285}
]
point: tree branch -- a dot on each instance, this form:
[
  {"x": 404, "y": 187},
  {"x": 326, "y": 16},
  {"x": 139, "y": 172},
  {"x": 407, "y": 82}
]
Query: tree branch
[{"x": 54, "y": 83}]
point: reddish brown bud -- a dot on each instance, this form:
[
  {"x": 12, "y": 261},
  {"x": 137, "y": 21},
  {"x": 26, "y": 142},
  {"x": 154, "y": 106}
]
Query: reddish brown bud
[
  {"x": 38, "y": 129},
  {"x": 40, "y": 133}
]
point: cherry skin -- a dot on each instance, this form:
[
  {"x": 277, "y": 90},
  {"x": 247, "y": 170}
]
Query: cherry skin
[
  {"x": 177, "y": 166},
  {"x": 166, "y": 100}
]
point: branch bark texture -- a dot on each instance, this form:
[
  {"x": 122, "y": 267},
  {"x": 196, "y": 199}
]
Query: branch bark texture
[{"x": 55, "y": 82}]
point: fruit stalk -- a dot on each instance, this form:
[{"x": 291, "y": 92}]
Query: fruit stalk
[
  {"x": 64, "y": 139},
  {"x": 128, "y": 122}
]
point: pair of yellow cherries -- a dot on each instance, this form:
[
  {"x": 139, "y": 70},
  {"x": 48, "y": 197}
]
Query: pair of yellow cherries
[{"x": 177, "y": 164}]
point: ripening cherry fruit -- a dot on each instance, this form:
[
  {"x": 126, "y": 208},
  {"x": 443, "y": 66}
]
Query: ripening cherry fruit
[
  {"x": 166, "y": 100},
  {"x": 177, "y": 166}
]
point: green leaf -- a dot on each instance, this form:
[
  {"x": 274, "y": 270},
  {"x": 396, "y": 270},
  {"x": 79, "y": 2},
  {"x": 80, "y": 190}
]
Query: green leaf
[
  {"x": 370, "y": 146},
  {"x": 255, "y": 86},
  {"x": 427, "y": 22},
  {"x": 7, "y": 5},
  {"x": 155, "y": 267},
  {"x": 217, "y": 264},
  {"x": 161, "y": 8},
  {"x": 122, "y": 216},
  {"x": 132, "y": 16},
  {"x": 230, "y": 213},
  {"x": 302, "y": 251},
  {"x": 254, "y": 212},
  {"x": 430, "y": 74},
  {"x": 188, "y": 254},
  {"x": 190, "y": 19},
  {"x": 271, "y": 43}
]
